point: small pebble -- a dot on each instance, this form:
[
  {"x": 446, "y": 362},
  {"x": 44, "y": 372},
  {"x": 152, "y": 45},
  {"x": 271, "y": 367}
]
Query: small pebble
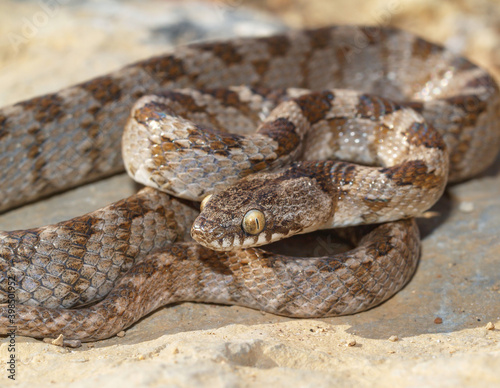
[
  {"x": 466, "y": 207},
  {"x": 351, "y": 343},
  {"x": 490, "y": 326},
  {"x": 430, "y": 214},
  {"x": 80, "y": 360},
  {"x": 438, "y": 321},
  {"x": 72, "y": 343},
  {"x": 393, "y": 338},
  {"x": 121, "y": 334},
  {"x": 59, "y": 341}
]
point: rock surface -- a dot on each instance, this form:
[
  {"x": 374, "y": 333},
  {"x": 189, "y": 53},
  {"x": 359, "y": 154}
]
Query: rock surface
[{"x": 432, "y": 333}]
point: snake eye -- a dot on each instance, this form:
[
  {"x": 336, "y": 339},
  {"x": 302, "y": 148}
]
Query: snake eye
[
  {"x": 253, "y": 222},
  {"x": 204, "y": 202}
]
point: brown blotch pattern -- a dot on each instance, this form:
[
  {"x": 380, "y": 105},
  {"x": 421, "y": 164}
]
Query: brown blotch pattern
[
  {"x": 472, "y": 106},
  {"x": 276, "y": 95},
  {"x": 422, "y": 49},
  {"x": 413, "y": 172},
  {"x": 421, "y": 134},
  {"x": 320, "y": 38},
  {"x": 103, "y": 89},
  {"x": 484, "y": 81},
  {"x": 152, "y": 111},
  {"x": 185, "y": 100},
  {"x": 3, "y": 124},
  {"x": 314, "y": 106},
  {"x": 462, "y": 64},
  {"x": 46, "y": 109},
  {"x": 375, "y": 204},
  {"x": 260, "y": 66},
  {"x": 415, "y": 105},
  {"x": 284, "y": 132},
  {"x": 209, "y": 136},
  {"x": 318, "y": 171},
  {"x": 33, "y": 152},
  {"x": 164, "y": 69},
  {"x": 219, "y": 145},
  {"x": 374, "y": 34},
  {"x": 329, "y": 174},
  {"x": 342, "y": 173},
  {"x": 379, "y": 248},
  {"x": 205, "y": 139},
  {"x": 277, "y": 46},
  {"x": 226, "y": 96},
  {"x": 373, "y": 107},
  {"x": 92, "y": 129},
  {"x": 226, "y": 51}
]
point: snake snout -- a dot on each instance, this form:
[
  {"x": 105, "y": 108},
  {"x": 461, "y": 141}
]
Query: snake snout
[{"x": 209, "y": 233}]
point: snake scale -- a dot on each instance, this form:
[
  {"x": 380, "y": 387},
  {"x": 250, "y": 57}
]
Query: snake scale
[{"x": 120, "y": 262}]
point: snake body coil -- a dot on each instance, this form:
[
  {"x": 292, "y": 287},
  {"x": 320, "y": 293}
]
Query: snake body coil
[{"x": 57, "y": 141}]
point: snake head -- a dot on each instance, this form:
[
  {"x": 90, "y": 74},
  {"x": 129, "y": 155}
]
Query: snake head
[{"x": 262, "y": 208}]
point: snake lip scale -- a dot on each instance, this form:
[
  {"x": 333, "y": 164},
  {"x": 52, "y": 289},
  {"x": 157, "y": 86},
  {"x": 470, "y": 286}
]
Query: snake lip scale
[{"x": 402, "y": 116}]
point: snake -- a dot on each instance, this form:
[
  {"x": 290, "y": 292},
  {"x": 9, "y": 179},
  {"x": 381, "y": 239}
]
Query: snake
[{"x": 404, "y": 115}]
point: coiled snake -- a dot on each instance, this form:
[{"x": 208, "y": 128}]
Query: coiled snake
[{"x": 135, "y": 255}]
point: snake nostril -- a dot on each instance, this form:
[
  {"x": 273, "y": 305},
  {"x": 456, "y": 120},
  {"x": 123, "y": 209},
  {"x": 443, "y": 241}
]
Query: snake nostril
[
  {"x": 197, "y": 228},
  {"x": 206, "y": 231}
]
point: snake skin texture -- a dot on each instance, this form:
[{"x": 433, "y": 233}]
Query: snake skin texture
[
  {"x": 57, "y": 141},
  {"x": 384, "y": 260},
  {"x": 76, "y": 262}
]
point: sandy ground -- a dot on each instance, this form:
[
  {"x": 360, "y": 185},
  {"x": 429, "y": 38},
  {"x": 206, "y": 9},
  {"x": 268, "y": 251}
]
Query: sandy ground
[{"x": 457, "y": 282}]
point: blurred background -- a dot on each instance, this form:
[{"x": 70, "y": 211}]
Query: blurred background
[{"x": 47, "y": 44}]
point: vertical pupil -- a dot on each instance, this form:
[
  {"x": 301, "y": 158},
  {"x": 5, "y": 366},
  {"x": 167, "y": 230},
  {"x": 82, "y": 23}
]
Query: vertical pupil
[{"x": 256, "y": 223}]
